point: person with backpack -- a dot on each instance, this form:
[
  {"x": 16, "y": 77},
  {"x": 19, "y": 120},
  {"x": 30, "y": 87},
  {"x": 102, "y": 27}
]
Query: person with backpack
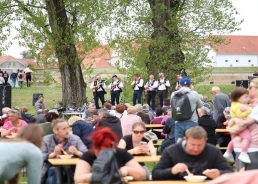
[
  {"x": 184, "y": 104},
  {"x": 13, "y": 78},
  {"x": 20, "y": 78},
  {"x": 105, "y": 163}
]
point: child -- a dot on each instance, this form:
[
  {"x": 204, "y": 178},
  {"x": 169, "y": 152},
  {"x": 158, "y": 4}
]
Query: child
[{"x": 239, "y": 109}]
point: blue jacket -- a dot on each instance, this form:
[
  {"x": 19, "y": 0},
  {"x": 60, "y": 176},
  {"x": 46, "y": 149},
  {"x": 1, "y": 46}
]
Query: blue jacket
[{"x": 83, "y": 130}]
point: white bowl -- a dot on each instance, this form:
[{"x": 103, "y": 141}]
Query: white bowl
[
  {"x": 195, "y": 178},
  {"x": 65, "y": 156}
]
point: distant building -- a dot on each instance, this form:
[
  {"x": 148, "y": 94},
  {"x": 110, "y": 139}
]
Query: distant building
[
  {"x": 238, "y": 51},
  {"x": 9, "y": 63}
]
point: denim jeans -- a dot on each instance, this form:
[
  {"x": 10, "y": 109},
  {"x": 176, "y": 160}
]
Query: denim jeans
[
  {"x": 54, "y": 175},
  {"x": 181, "y": 127}
]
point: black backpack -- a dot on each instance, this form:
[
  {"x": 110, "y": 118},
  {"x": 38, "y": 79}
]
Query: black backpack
[
  {"x": 181, "y": 107},
  {"x": 105, "y": 169}
]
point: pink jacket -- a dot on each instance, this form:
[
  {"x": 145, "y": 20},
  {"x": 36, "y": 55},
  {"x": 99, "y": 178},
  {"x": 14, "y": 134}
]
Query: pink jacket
[{"x": 127, "y": 123}]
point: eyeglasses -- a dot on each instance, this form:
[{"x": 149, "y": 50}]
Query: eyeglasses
[{"x": 138, "y": 132}]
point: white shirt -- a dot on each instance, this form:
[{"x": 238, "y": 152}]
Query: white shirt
[
  {"x": 117, "y": 87},
  {"x": 151, "y": 85},
  {"x": 92, "y": 86},
  {"x": 138, "y": 84},
  {"x": 163, "y": 85}
]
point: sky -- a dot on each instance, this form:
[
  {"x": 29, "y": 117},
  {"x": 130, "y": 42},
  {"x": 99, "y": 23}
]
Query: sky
[{"x": 248, "y": 10}]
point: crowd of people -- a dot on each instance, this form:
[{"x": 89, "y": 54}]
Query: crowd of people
[
  {"x": 15, "y": 78},
  {"x": 190, "y": 142}
]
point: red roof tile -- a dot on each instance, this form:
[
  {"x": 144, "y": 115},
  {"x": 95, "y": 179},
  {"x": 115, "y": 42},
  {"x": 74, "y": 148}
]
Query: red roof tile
[
  {"x": 244, "y": 45},
  {"x": 25, "y": 61},
  {"x": 99, "y": 57}
]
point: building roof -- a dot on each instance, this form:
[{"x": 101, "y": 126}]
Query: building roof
[
  {"x": 244, "y": 45},
  {"x": 99, "y": 57},
  {"x": 25, "y": 61}
]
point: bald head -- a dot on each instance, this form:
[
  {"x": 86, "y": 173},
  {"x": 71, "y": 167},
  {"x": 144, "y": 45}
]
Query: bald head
[{"x": 215, "y": 90}]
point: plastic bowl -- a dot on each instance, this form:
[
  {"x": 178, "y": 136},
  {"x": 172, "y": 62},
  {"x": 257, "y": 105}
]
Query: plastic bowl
[
  {"x": 195, "y": 178},
  {"x": 65, "y": 156}
]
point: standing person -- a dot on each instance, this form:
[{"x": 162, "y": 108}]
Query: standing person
[
  {"x": 2, "y": 81},
  {"x": 20, "y": 78},
  {"x": 22, "y": 152},
  {"x": 28, "y": 73},
  {"x": 115, "y": 89},
  {"x": 13, "y": 78},
  {"x": 193, "y": 154},
  {"x": 184, "y": 103},
  {"x": 6, "y": 77},
  {"x": 163, "y": 85},
  {"x": 137, "y": 85},
  {"x": 221, "y": 101},
  {"x": 151, "y": 87},
  {"x": 98, "y": 87}
]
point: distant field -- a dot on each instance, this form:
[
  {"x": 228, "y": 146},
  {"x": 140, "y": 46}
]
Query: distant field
[{"x": 234, "y": 69}]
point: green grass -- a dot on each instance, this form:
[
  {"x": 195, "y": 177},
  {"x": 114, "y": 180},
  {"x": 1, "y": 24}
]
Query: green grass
[{"x": 234, "y": 69}]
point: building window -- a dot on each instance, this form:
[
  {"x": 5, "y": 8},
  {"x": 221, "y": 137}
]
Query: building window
[
  {"x": 249, "y": 60},
  {"x": 226, "y": 60},
  {"x": 237, "y": 60}
]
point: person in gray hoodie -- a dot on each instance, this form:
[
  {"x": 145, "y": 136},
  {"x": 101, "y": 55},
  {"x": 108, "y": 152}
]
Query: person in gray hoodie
[{"x": 195, "y": 102}]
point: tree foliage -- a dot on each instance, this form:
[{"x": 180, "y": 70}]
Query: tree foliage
[{"x": 176, "y": 34}]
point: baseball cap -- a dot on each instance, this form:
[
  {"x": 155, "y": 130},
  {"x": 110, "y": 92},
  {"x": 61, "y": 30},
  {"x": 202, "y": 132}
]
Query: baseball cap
[{"x": 185, "y": 81}]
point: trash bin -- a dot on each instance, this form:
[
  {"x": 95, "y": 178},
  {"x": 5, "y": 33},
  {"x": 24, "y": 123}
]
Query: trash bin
[{"x": 35, "y": 97}]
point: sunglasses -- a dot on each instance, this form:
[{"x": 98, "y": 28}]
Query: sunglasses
[{"x": 138, "y": 132}]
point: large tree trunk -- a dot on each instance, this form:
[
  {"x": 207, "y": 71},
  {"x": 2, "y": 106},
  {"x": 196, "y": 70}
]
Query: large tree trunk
[
  {"x": 73, "y": 86},
  {"x": 165, "y": 49}
]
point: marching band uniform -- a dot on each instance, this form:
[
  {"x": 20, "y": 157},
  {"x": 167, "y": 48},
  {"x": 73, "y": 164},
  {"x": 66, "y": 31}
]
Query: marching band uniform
[
  {"x": 151, "y": 87},
  {"x": 115, "y": 89},
  {"x": 98, "y": 87},
  {"x": 163, "y": 85},
  {"x": 137, "y": 85}
]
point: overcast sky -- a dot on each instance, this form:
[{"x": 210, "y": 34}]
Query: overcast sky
[{"x": 248, "y": 10}]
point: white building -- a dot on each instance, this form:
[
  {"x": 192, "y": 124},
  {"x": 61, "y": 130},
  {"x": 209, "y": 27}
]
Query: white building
[{"x": 237, "y": 51}]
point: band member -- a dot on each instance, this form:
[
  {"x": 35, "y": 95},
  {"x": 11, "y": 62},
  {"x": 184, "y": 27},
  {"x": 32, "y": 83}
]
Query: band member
[
  {"x": 162, "y": 88},
  {"x": 137, "y": 85},
  {"x": 115, "y": 89},
  {"x": 151, "y": 87},
  {"x": 98, "y": 87}
]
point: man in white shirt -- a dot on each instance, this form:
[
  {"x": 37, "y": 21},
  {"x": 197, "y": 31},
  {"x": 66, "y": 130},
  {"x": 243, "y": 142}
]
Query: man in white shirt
[
  {"x": 151, "y": 89},
  {"x": 98, "y": 87},
  {"x": 163, "y": 85},
  {"x": 115, "y": 89},
  {"x": 137, "y": 85}
]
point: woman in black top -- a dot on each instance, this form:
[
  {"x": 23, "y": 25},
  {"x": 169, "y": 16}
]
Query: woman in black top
[
  {"x": 101, "y": 139},
  {"x": 135, "y": 143}
]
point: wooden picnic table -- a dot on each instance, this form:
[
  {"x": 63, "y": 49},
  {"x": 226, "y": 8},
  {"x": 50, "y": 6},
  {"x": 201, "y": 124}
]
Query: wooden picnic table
[
  {"x": 165, "y": 182},
  {"x": 221, "y": 130},
  {"x": 146, "y": 159},
  {"x": 73, "y": 161},
  {"x": 151, "y": 126}
]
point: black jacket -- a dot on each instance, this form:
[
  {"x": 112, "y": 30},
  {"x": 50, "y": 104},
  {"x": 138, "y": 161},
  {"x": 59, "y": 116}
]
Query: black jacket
[
  {"x": 113, "y": 123},
  {"x": 210, "y": 158},
  {"x": 209, "y": 125}
]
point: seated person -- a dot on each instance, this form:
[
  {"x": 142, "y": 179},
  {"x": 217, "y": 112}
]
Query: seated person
[
  {"x": 206, "y": 121},
  {"x": 194, "y": 154},
  {"x": 159, "y": 116},
  {"x": 90, "y": 112},
  {"x": 22, "y": 152},
  {"x": 135, "y": 143},
  {"x": 39, "y": 105},
  {"x": 101, "y": 139},
  {"x": 61, "y": 142},
  {"x": 81, "y": 129},
  {"x": 4, "y": 117},
  {"x": 14, "y": 124}
]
